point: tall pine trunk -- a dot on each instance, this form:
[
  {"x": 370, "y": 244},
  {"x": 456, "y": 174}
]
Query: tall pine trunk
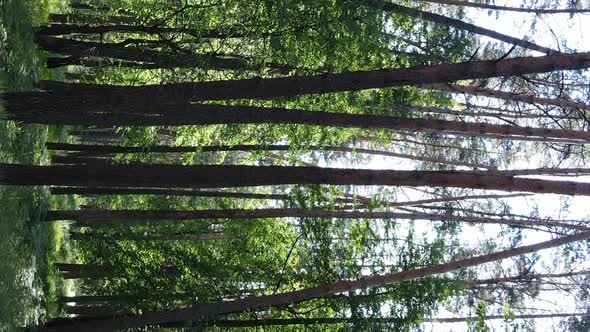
[
  {"x": 207, "y": 114},
  {"x": 219, "y": 176},
  {"x": 88, "y": 97}
]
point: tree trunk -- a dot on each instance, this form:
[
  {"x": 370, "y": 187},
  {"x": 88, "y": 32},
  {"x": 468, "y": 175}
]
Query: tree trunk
[
  {"x": 83, "y": 18},
  {"x": 492, "y": 317},
  {"x": 161, "y": 59},
  {"x": 545, "y": 171},
  {"x": 95, "y": 150},
  {"x": 464, "y": 3},
  {"x": 73, "y": 160},
  {"x": 93, "y": 310},
  {"x": 234, "y": 323},
  {"x": 143, "y": 216},
  {"x": 91, "y": 299},
  {"x": 509, "y": 96},
  {"x": 57, "y": 29},
  {"x": 76, "y": 271},
  {"x": 528, "y": 277},
  {"x": 220, "y": 176},
  {"x": 231, "y": 323},
  {"x": 100, "y": 98},
  {"x": 207, "y": 114},
  {"x": 55, "y": 62},
  {"x": 139, "y": 237},
  {"x": 201, "y": 311},
  {"x": 162, "y": 191},
  {"x": 440, "y": 19},
  {"x": 500, "y": 114},
  {"x": 447, "y": 199}
]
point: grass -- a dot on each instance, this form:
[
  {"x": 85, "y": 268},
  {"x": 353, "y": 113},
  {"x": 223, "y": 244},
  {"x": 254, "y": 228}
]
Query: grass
[{"x": 29, "y": 286}]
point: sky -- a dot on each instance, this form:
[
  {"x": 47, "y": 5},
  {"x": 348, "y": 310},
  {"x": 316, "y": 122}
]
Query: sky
[
  {"x": 564, "y": 33},
  {"x": 559, "y": 31}
]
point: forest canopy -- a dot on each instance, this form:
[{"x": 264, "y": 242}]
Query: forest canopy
[{"x": 328, "y": 165}]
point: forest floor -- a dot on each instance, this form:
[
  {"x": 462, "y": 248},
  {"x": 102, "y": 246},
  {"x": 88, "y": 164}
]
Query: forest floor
[{"x": 28, "y": 245}]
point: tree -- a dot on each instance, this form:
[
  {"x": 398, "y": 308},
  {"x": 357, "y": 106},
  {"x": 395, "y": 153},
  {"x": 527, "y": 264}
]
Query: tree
[
  {"x": 175, "y": 176},
  {"x": 88, "y": 98},
  {"x": 440, "y": 19},
  {"x": 147, "y": 216},
  {"x": 208, "y": 310},
  {"x": 463, "y": 3}
]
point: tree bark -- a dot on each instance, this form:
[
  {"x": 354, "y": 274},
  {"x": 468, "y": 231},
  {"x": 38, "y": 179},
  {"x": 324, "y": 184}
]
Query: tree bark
[
  {"x": 139, "y": 237},
  {"x": 56, "y": 62},
  {"x": 146, "y": 216},
  {"x": 85, "y": 97},
  {"x": 464, "y": 3},
  {"x": 201, "y": 311},
  {"x": 545, "y": 171},
  {"x": 220, "y": 176},
  {"x": 160, "y": 59},
  {"x": 492, "y": 317},
  {"x": 96, "y": 149},
  {"x": 447, "y": 199},
  {"x": 509, "y": 96},
  {"x": 93, "y": 310},
  {"x": 234, "y": 323},
  {"x": 231, "y": 323},
  {"x": 57, "y": 29},
  {"x": 440, "y": 19},
  {"x": 207, "y": 114},
  {"x": 529, "y": 277},
  {"x": 76, "y": 271},
  {"x": 91, "y": 299},
  {"x": 161, "y": 191},
  {"x": 82, "y": 18}
]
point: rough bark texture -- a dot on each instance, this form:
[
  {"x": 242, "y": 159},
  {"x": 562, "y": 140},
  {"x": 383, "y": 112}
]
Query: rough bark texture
[
  {"x": 220, "y": 176},
  {"x": 207, "y": 114},
  {"x": 82, "y": 97},
  {"x": 207, "y": 310}
]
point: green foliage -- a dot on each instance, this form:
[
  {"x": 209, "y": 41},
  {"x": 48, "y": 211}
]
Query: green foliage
[
  {"x": 480, "y": 324},
  {"x": 30, "y": 247},
  {"x": 152, "y": 266}
]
